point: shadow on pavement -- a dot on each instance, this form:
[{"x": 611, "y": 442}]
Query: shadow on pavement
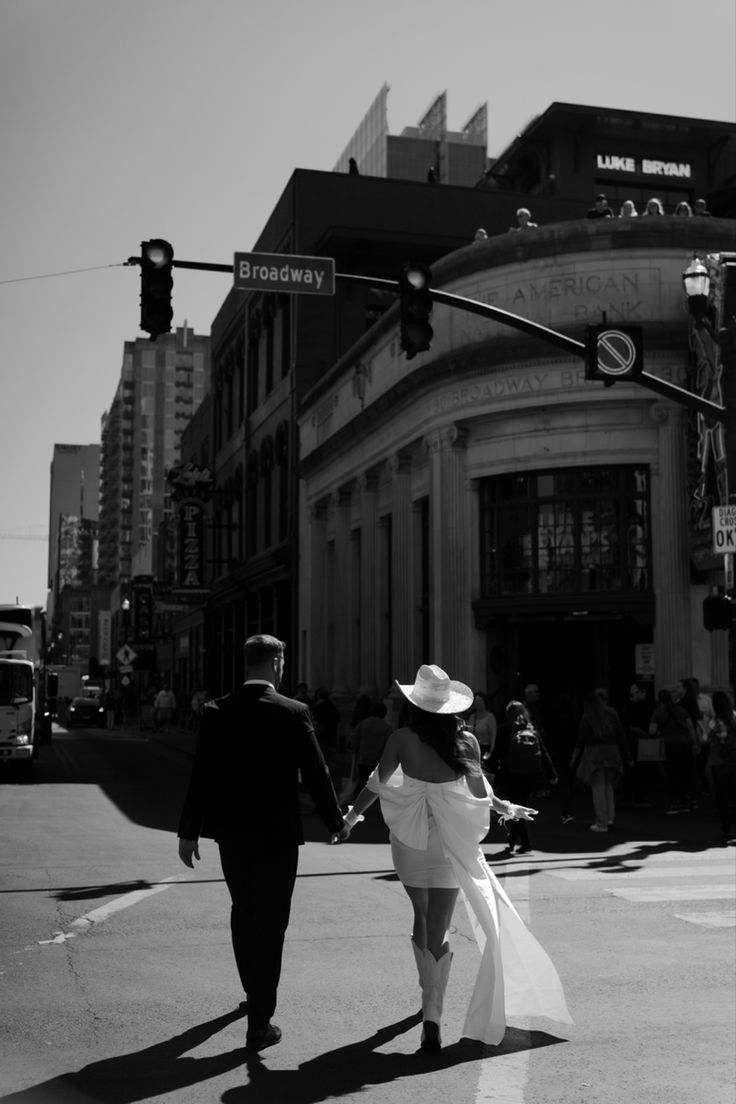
[
  {"x": 346, "y": 1071},
  {"x": 164, "y": 1068},
  {"x": 142, "y": 1075}
]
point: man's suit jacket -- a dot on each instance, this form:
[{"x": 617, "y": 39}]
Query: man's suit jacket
[{"x": 245, "y": 777}]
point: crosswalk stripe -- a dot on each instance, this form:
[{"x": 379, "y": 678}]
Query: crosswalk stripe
[
  {"x": 676, "y": 893},
  {"x": 583, "y": 874},
  {"x": 724, "y": 919}
]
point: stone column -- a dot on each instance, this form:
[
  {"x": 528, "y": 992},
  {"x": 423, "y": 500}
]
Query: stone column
[
  {"x": 315, "y": 623},
  {"x": 339, "y": 595},
  {"x": 399, "y": 466},
  {"x": 670, "y": 553},
  {"x": 449, "y": 553},
  {"x": 367, "y": 489}
]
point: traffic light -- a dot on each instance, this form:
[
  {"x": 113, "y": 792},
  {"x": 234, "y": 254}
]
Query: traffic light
[
  {"x": 717, "y": 612},
  {"x": 415, "y": 308},
  {"x": 156, "y": 285}
]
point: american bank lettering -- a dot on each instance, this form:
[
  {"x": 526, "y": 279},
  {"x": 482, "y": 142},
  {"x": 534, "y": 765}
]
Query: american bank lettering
[{"x": 561, "y": 287}]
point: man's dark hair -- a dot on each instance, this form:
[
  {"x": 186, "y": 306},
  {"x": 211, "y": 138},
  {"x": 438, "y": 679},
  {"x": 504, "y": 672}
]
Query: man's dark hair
[{"x": 259, "y": 649}]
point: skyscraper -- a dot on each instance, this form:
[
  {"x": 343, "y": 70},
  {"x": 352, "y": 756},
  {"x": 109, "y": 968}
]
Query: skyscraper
[{"x": 161, "y": 385}]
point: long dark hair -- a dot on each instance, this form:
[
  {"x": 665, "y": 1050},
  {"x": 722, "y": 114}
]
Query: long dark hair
[
  {"x": 442, "y": 733},
  {"x": 723, "y": 708}
]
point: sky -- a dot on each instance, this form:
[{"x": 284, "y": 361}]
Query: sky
[{"x": 123, "y": 120}]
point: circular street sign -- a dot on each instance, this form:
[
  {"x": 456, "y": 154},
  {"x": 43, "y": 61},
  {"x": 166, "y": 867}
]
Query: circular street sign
[{"x": 616, "y": 352}]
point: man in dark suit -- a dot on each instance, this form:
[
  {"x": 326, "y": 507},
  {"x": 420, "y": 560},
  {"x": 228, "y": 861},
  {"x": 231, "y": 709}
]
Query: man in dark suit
[{"x": 244, "y": 793}]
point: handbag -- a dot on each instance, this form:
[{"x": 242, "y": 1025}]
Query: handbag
[{"x": 650, "y": 749}]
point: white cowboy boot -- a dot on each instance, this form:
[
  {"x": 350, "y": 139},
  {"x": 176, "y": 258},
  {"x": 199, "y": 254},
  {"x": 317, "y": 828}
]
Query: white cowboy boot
[{"x": 433, "y": 977}]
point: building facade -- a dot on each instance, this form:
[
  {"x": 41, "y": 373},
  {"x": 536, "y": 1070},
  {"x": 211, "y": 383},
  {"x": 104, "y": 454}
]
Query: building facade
[{"x": 486, "y": 508}]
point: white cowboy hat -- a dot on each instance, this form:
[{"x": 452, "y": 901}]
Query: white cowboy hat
[{"x": 435, "y": 692}]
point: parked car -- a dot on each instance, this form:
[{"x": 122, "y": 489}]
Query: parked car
[{"x": 86, "y": 711}]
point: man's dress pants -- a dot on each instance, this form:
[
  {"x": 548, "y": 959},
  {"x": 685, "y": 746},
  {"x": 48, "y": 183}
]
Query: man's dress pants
[{"x": 261, "y": 882}]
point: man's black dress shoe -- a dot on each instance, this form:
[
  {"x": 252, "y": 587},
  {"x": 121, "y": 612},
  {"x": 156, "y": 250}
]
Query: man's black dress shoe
[{"x": 263, "y": 1037}]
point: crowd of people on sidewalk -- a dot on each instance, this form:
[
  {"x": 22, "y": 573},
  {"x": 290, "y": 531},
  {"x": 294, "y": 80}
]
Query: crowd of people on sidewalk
[{"x": 674, "y": 748}]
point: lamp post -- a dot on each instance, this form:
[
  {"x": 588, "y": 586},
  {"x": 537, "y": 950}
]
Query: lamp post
[
  {"x": 713, "y": 309},
  {"x": 717, "y": 315}
]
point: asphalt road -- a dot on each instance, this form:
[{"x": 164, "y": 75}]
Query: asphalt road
[{"x": 118, "y": 983}]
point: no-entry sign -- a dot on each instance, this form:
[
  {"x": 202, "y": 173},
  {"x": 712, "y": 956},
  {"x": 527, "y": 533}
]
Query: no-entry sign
[
  {"x": 281, "y": 272},
  {"x": 613, "y": 352},
  {"x": 724, "y": 528}
]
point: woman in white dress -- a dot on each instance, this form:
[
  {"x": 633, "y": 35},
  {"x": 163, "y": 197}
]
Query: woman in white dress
[{"x": 436, "y": 802}]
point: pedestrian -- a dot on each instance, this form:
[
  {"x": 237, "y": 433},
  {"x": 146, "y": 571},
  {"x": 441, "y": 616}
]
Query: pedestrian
[
  {"x": 686, "y": 696},
  {"x": 601, "y": 745},
  {"x": 524, "y": 766},
  {"x": 480, "y": 234},
  {"x": 110, "y": 703},
  {"x": 164, "y": 706},
  {"x": 701, "y": 209},
  {"x": 722, "y": 761},
  {"x": 636, "y": 718},
  {"x": 524, "y": 220},
  {"x": 244, "y": 793},
  {"x": 703, "y": 727},
  {"x": 683, "y": 209},
  {"x": 672, "y": 723},
  {"x": 196, "y": 705},
  {"x": 628, "y": 209},
  {"x": 531, "y": 701},
  {"x": 369, "y": 740},
  {"x": 600, "y": 208},
  {"x": 326, "y": 719},
  {"x": 482, "y": 724},
  {"x": 436, "y": 802},
  {"x": 302, "y": 694},
  {"x": 654, "y": 207}
]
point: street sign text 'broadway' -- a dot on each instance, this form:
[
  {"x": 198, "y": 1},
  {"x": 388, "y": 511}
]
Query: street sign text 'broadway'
[{"x": 281, "y": 272}]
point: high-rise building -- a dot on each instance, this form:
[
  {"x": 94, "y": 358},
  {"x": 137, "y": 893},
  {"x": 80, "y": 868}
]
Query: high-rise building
[
  {"x": 427, "y": 151},
  {"x": 74, "y": 493},
  {"x": 161, "y": 385}
]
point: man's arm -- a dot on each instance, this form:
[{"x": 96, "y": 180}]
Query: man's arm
[
  {"x": 314, "y": 772},
  {"x": 193, "y": 809}
]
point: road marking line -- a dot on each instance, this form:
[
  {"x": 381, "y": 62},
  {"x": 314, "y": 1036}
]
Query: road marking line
[
  {"x": 676, "y": 893},
  {"x": 83, "y": 923},
  {"x": 724, "y": 919},
  {"x": 700, "y": 871},
  {"x": 514, "y": 1071}
]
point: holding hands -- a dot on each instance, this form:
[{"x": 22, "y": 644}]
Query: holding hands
[{"x": 351, "y": 819}]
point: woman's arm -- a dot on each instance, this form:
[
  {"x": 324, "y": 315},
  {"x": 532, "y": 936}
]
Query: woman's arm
[{"x": 476, "y": 782}]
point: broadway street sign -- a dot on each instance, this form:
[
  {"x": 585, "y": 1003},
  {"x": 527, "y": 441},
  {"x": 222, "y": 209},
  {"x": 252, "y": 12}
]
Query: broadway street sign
[{"x": 281, "y": 272}]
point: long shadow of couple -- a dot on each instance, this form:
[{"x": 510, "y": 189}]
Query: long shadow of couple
[{"x": 164, "y": 1068}]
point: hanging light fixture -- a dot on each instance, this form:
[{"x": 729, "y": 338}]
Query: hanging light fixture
[{"x": 696, "y": 280}]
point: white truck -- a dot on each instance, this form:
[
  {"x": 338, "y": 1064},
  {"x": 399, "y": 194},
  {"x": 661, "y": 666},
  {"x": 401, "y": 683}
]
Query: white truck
[{"x": 24, "y": 719}]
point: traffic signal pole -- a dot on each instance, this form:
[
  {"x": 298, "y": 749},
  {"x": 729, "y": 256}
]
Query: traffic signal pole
[
  {"x": 551, "y": 337},
  {"x": 506, "y": 318}
]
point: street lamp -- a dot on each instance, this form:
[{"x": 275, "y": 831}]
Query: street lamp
[{"x": 696, "y": 280}]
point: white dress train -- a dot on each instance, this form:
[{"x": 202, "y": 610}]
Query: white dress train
[{"x": 516, "y": 977}]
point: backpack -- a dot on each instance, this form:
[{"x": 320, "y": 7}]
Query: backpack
[{"x": 524, "y": 752}]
